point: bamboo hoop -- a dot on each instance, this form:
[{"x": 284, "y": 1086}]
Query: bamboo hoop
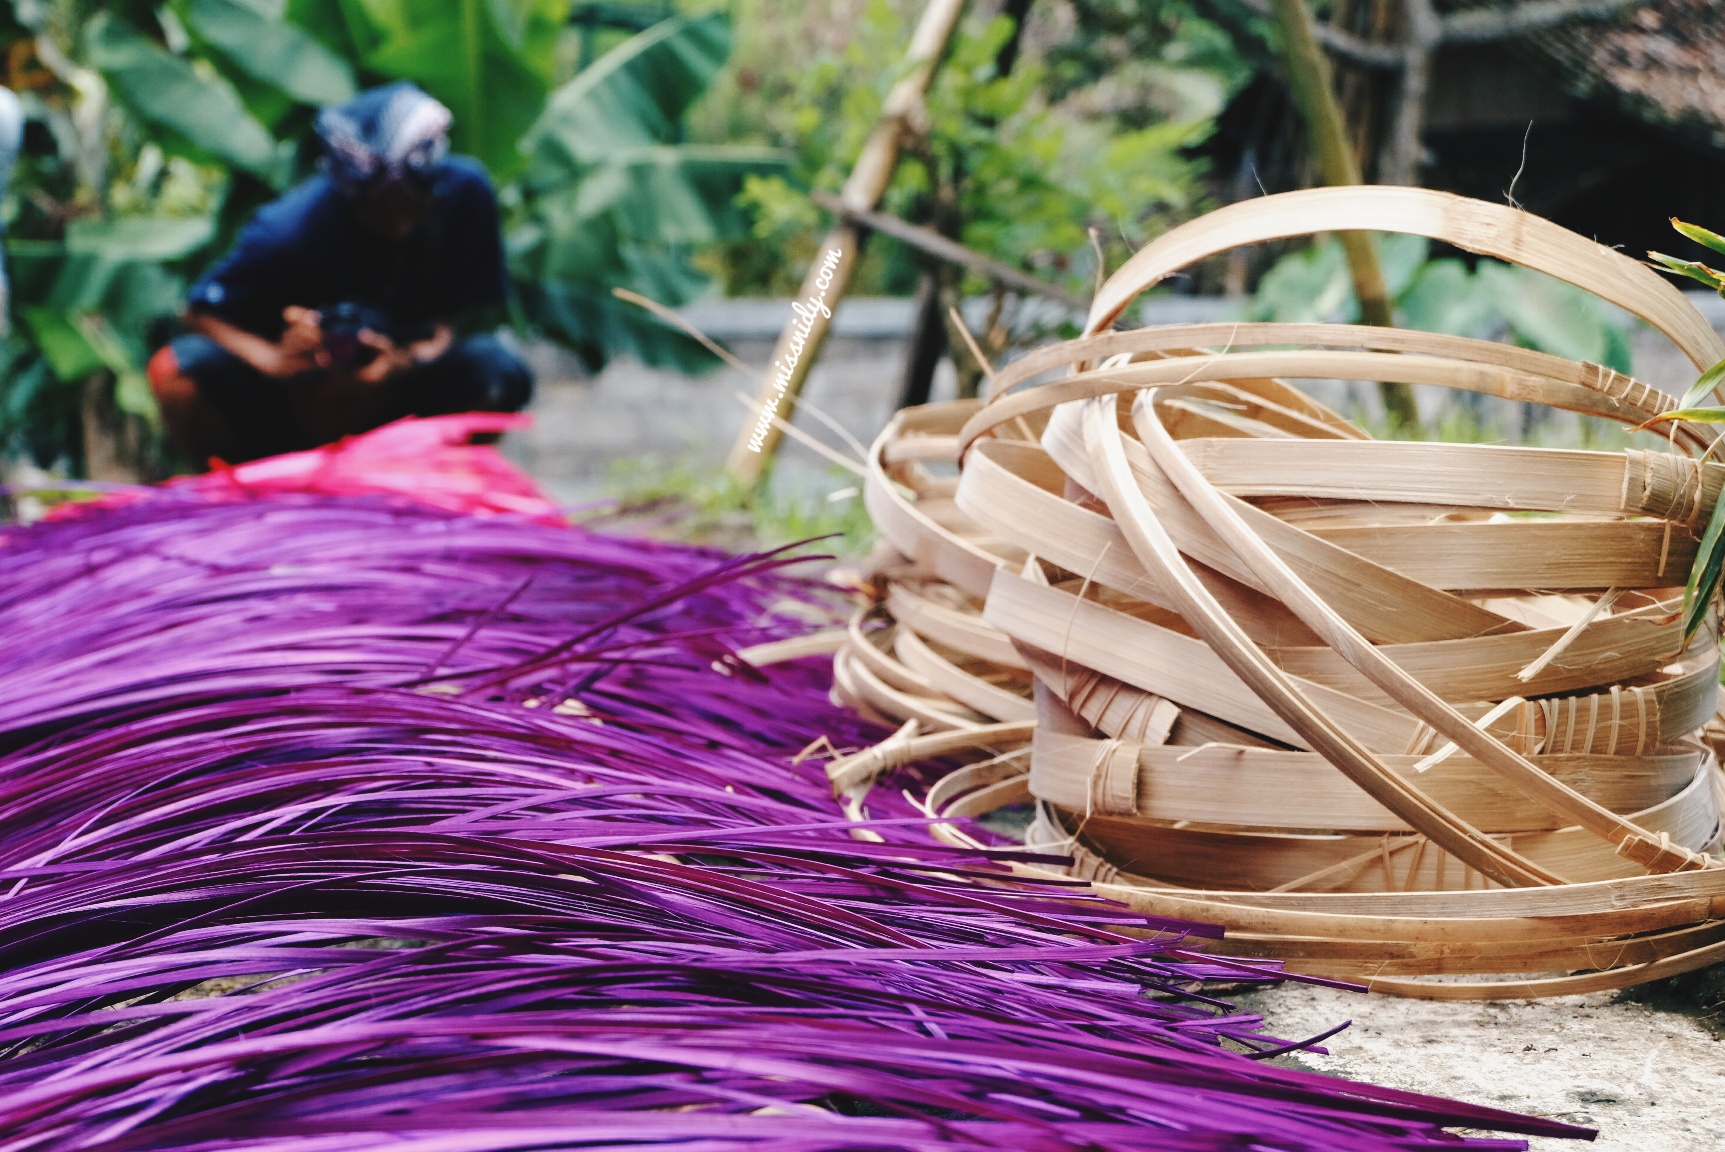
[{"x": 1399, "y": 712}]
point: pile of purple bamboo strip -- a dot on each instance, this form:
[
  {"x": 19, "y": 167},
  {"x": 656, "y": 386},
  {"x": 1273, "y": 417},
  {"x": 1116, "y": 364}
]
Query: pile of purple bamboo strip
[{"x": 340, "y": 824}]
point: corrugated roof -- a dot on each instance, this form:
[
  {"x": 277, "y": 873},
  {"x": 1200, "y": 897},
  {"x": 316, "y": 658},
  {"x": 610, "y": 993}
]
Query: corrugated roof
[{"x": 1663, "y": 61}]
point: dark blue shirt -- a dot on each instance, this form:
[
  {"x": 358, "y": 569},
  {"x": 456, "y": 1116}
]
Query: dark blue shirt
[{"x": 307, "y": 248}]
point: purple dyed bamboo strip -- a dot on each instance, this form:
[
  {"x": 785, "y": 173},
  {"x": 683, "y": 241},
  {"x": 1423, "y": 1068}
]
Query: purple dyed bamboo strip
[{"x": 475, "y": 923}]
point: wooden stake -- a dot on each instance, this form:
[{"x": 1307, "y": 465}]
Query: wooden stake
[
  {"x": 932, "y": 243},
  {"x": 1309, "y": 77},
  {"x": 800, "y": 343}
]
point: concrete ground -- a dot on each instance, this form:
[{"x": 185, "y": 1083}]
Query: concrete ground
[{"x": 1645, "y": 1068}]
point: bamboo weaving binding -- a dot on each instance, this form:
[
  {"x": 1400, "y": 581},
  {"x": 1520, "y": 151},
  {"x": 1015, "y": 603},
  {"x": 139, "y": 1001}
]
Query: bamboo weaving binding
[{"x": 1391, "y": 711}]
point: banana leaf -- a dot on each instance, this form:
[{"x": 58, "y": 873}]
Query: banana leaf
[
  {"x": 491, "y": 61},
  {"x": 165, "y": 91},
  {"x": 271, "y": 50},
  {"x": 632, "y": 97}
]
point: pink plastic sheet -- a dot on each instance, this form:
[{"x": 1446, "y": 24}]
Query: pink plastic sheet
[{"x": 428, "y": 459}]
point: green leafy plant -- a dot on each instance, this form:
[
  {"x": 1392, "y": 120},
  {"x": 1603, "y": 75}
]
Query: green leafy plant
[
  {"x": 609, "y": 199},
  {"x": 1709, "y": 570},
  {"x": 1018, "y": 164},
  {"x": 1445, "y": 295},
  {"x": 167, "y": 126}
]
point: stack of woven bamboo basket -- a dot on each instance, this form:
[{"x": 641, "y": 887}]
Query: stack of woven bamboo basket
[{"x": 1417, "y": 714}]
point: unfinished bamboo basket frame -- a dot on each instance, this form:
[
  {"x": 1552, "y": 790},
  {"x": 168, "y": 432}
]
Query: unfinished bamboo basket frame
[{"x": 1398, "y": 712}]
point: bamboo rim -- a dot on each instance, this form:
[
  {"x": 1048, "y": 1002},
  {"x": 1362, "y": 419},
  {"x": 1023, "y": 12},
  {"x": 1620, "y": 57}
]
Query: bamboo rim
[{"x": 1397, "y": 711}]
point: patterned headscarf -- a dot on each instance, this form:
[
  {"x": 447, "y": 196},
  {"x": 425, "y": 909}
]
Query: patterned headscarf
[{"x": 384, "y": 135}]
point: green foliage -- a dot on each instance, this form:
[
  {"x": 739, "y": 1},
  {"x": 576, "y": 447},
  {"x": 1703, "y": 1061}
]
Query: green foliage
[
  {"x": 1709, "y": 569},
  {"x": 1705, "y": 578},
  {"x": 213, "y": 100},
  {"x": 1700, "y": 235},
  {"x": 1537, "y": 311},
  {"x": 1694, "y": 269},
  {"x": 197, "y": 114},
  {"x": 1031, "y": 182},
  {"x": 633, "y": 97},
  {"x": 490, "y": 61},
  {"x": 1704, "y": 384},
  {"x": 1150, "y": 61},
  {"x": 608, "y": 200},
  {"x": 1018, "y": 166},
  {"x": 254, "y": 39}
]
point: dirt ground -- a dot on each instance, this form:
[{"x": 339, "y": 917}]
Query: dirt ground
[{"x": 1646, "y": 1068}]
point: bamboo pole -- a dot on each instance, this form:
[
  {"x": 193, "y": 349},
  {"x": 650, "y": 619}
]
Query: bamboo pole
[
  {"x": 1309, "y": 77},
  {"x": 829, "y": 276},
  {"x": 932, "y": 243}
]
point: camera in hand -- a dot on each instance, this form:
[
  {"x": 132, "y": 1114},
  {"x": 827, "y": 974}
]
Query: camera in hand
[{"x": 342, "y": 323}]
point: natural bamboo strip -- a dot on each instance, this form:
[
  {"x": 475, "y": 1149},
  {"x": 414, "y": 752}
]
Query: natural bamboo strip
[
  {"x": 1502, "y": 708},
  {"x": 962, "y": 631},
  {"x": 1496, "y": 941},
  {"x": 1562, "y": 555},
  {"x": 972, "y": 691},
  {"x": 796, "y": 648},
  {"x": 1152, "y": 545},
  {"x": 1534, "y": 478},
  {"x": 1357, "y": 579},
  {"x": 1172, "y": 664},
  {"x": 907, "y": 747},
  {"x": 1406, "y": 610},
  {"x": 1473, "y": 225},
  {"x": 1266, "y": 858},
  {"x": 862, "y": 686},
  {"x": 1270, "y": 788},
  {"x": 911, "y": 529},
  {"x": 1584, "y": 388},
  {"x": 1569, "y": 637},
  {"x": 1631, "y": 841}
]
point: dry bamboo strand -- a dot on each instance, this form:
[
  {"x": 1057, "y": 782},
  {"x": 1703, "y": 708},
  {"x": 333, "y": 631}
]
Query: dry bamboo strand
[
  {"x": 796, "y": 648},
  {"x": 1585, "y": 388},
  {"x": 1541, "y": 473},
  {"x": 1051, "y": 527},
  {"x": 1473, "y": 225},
  {"x": 906, "y": 746},
  {"x": 963, "y": 632},
  {"x": 1268, "y": 788},
  {"x": 1151, "y": 544},
  {"x": 1173, "y": 664},
  {"x": 1317, "y": 595},
  {"x": 972, "y": 691},
  {"x": 1631, "y": 841},
  {"x": 1573, "y": 555},
  {"x": 1493, "y": 942},
  {"x": 1267, "y": 858}
]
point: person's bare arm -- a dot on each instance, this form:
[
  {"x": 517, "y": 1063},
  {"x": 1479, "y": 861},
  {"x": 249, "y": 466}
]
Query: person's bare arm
[
  {"x": 393, "y": 359},
  {"x": 299, "y": 350}
]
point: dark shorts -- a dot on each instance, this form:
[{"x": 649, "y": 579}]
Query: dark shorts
[{"x": 477, "y": 374}]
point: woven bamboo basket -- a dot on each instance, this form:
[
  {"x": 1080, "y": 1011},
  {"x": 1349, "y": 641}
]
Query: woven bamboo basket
[{"x": 1417, "y": 714}]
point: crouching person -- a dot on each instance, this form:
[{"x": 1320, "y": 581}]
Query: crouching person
[{"x": 341, "y": 304}]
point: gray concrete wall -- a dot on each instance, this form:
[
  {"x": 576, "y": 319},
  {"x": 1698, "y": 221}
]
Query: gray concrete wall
[{"x": 587, "y": 428}]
